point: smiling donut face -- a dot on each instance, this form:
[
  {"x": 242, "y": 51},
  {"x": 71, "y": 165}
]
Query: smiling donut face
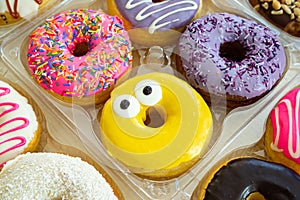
[{"x": 182, "y": 135}]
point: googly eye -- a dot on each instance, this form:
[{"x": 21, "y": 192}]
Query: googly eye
[
  {"x": 148, "y": 92},
  {"x": 126, "y": 106}
]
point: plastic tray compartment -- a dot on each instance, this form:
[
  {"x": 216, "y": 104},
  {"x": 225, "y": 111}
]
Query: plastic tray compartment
[{"x": 231, "y": 129}]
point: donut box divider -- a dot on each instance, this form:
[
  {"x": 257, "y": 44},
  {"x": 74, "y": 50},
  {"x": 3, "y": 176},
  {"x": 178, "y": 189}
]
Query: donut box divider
[{"x": 236, "y": 132}]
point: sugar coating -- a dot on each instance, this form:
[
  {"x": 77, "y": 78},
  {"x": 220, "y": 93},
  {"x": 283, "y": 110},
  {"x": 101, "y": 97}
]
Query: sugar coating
[{"x": 52, "y": 176}]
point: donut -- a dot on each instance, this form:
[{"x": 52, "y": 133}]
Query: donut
[
  {"x": 157, "y": 125},
  {"x": 12, "y": 11},
  {"x": 283, "y": 14},
  {"x": 282, "y": 135},
  {"x": 239, "y": 178},
  {"x": 155, "y": 22},
  {"x": 78, "y": 55},
  {"x": 20, "y": 128},
  {"x": 208, "y": 58},
  {"x": 52, "y": 176}
]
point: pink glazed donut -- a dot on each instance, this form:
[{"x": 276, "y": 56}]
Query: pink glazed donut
[
  {"x": 282, "y": 137},
  {"x": 155, "y": 22},
  {"x": 227, "y": 55},
  {"x": 78, "y": 55}
]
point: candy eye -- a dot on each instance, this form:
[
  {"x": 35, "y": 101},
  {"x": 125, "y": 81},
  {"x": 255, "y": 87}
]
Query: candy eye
[
  {"x": 148, "y": 92},
  {"x": 126, "y": 106}
]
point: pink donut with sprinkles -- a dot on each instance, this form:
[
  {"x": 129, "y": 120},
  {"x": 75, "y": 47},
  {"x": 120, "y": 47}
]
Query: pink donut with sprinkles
[
  {"x": 227, "y": 55},
  {"x": 78, "y": 55}
]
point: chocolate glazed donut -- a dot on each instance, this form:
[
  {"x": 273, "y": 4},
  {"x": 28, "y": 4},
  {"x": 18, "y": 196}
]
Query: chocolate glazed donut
[{"x": 243, "y": 176}]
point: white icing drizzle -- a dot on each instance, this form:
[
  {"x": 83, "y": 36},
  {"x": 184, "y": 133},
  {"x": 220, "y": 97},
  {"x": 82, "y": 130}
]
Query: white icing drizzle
[
  {"x": 131, "y": 5},
  {"x": 143, "y": 14},
  {"x": 274, "y": 145},
  {"x": 287, "y": 102}
]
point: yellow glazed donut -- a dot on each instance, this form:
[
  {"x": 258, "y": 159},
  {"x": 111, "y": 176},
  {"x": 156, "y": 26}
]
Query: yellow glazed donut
[{"x": 165, "y": 150}]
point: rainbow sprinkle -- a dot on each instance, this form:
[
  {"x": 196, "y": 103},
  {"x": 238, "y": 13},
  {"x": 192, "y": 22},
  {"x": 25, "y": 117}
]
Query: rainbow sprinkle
[{"x": 50, "y": 52}]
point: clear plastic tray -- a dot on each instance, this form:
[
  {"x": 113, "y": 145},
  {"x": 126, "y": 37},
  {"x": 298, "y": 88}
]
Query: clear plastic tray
[
  {"x": 5, "y": 30},
  {"x": 78, "y": 127}
]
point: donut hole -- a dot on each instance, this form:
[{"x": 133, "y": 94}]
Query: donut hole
[
  {"x": 81, "y": 49},
  {"x": 233, "y": 51},
  {"x": 267, "y": 191},
  {"x": 155, "y": 117},
  {"x": 256, "y": 196}
]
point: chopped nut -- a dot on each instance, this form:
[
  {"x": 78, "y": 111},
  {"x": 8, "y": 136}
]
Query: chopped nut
[
  {"x": 288, "y": 2},
  {"x": 298, "y": 19},
  {"x": 286, "y": 9},
  {"x": 277, "y": 12},
  {"x": 256, "y": 7},
  {"x": 265, "y": 5},
  {"x": 276, "y": 5},
  {"x": 292, "y": 16},
  {"x": 297, "y": 11},
  {"x": 297, "y": 4}
]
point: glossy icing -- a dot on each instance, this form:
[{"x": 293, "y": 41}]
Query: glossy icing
[
  {"x": 53, "y": 63},
  {"x": 182, "y": 137},
  {"x": 18, "y": 123},
  {"x": 286, "y": 125},
  {"x": 160, "y": 16},
  {"x": 243, "y": 176},
  {"x": 261, "y": 67}
]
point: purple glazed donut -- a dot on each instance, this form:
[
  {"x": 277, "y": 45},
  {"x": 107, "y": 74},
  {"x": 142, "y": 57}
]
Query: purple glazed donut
[
  {"x": 149, "y": 20},
  {"x": 223, "y": 54}
]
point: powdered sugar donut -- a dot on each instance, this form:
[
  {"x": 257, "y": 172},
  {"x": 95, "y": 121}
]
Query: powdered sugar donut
[
  {"x": 155, "y": 22},
  {"x": 52, "y": 176},
  {"x": 79, "y": 54}
]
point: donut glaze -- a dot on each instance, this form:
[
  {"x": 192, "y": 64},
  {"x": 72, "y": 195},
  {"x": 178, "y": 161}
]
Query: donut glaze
[
  {"x": 182, "y": 137},
  {"x": 160, "y": 16},
  {"x": 257, "y": 72},
  {"x": 238, "y": 178},
  {"x": 18, "y": 123},
  {"x": 56, "y": 67},
  {"x": 286, "y": 125},
  {"x": 52, "y": 176}
]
